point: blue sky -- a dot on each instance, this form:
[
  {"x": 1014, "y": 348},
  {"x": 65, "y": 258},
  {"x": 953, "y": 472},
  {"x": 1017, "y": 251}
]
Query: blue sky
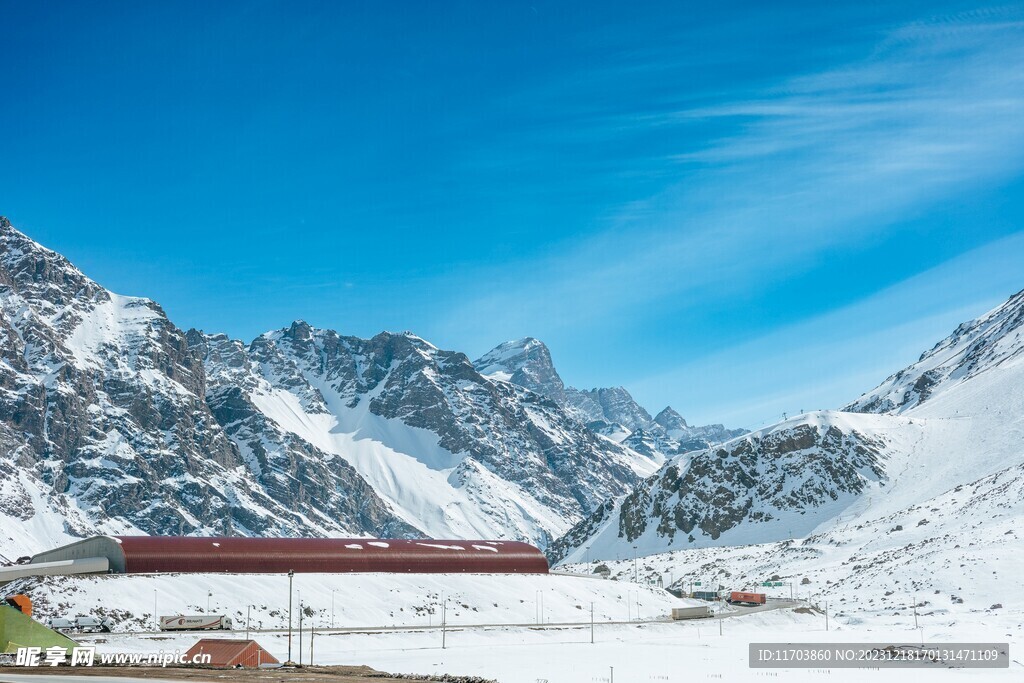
[{"x": 735, "y": 209}]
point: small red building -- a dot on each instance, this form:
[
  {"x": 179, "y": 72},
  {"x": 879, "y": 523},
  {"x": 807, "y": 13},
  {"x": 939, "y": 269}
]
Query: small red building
[{"x": 232, "y": 653}]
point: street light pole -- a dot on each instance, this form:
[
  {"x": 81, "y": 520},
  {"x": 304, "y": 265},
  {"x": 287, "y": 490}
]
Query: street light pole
[
  {"x": 248, "y": 613},
  {"x": 291, "y": 576},
  {"x": 591, "y": 623},
  {"x": 300, "y": 631},
  {"x": 333, "y": 590},
  {"x": 636, "y": 576},
  {"x": 444, "y": 623}
]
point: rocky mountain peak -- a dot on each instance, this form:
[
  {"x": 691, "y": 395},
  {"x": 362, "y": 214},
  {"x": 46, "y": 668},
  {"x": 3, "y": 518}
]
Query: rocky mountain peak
[
  {"x": 43, "y": 276},
  {"x": 526, "y": 362},
  {"x": 611, "y": 404},
  {"x": 670, "y": 420}
]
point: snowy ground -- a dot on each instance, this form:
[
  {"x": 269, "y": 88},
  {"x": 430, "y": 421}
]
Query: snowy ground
[
  {"x": 411, "y": 606},
  {"x": 684, "y": 651},
  {"x": 349, "y": 600}
]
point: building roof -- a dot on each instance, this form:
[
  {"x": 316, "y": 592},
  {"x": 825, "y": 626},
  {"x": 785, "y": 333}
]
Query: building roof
[
  {"x": 150, "y": 554},
  {"x": 231, "y": 652}
]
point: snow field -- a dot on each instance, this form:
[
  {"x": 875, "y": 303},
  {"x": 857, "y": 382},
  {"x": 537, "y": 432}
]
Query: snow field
[{"x": 359, "y": 600}]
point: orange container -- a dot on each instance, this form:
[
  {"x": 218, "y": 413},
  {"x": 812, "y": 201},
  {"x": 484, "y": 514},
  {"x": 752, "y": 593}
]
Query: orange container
[
  {"x": 749, "y": 598},
  {"x": 21, "y": 603}
]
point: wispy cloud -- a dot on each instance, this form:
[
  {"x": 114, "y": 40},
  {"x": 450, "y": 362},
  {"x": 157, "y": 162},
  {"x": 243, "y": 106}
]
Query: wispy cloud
[
  {"x": 817, "y": 161},
  {"x": 827, "y": 361}
]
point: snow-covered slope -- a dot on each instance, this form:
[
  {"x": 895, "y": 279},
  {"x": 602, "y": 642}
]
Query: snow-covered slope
[
  {"x": 105, "y": 426},
  {"x": 975, "y": 347},
  {"x": 815, "y": 472},
  {"x": 114, "y": 420},
  {"x": 452, "y": 452},
  {"x": 777, "y": 482}
]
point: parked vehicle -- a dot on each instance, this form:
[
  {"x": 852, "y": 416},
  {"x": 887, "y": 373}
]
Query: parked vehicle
[
  {"x": 210, "y": 622},
  {"x": 94, "y": 625},
  {"x": 698, "y": 612},
  {"x": 61, "y": 624},
  {"x": 82, "y": 624},
  {"x": 711, "y": 595},
  {"x": 741, "y": 598}
]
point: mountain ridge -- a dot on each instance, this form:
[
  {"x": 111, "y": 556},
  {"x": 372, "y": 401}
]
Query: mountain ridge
[
  {"x": 949, "y": 419},
  {"x": 112, "y": 419}
]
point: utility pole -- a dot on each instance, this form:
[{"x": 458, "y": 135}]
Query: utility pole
[
  {"x": 629, "y": 607},
  {"x": 591, "y": 623},
  {"x": 291, "y": 576},
  {"x": 312, "y": 632},
  {"x": 719, "y": 623},
  {"x": 300, "y": 631},
  {"x": 636, "y": 576},
  {"x": 826, "y": 615},
  {"x": 209, "y": 594},
  {"x": 156, "y": 619},
  {"x": 444, "y": 622},
  {"x": 248, "y": 613},
  {"x": 333, "y": 590}
]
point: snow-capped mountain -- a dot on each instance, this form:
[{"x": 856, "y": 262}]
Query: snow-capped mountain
[
  {"x": 104, "y": 424},
  {"x": 991, "y": 341},
  {"x": 112, "y": 419},
  {"x": 948, "y": 421},
  {"x": 611, "y": 412}
]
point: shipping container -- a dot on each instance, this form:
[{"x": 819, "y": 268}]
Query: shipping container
[
  {"x": 740, "y": 597},
  {"x": 698, "y": 612},
  {"x": 709, "y": 595},
  {"x": 210, "y": 622}
]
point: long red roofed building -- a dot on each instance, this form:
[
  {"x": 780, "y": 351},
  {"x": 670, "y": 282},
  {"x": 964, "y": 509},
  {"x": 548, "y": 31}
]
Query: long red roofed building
[{"x": 245, "y": 555}]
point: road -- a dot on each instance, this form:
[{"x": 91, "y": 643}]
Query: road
[{"x": 736, "y": 611}]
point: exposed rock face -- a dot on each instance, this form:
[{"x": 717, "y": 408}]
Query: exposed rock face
[
  {"x": 761, "y": 478},
  {"x": 526, "y": 362},
  {"x": 521, "y": 436},
  {"x": 610, "y": 412},
  {"x": 614, "y": 404},
  {"x": 109, "y": 417},
  {"x": 671, "y": 421},
  {"x": 112, "y": 419},
  {"x": 961, "y": 397}
]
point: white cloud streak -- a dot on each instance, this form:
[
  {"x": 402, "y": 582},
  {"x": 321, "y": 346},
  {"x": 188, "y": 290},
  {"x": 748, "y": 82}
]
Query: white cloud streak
[{"x": 823, "y": 160}]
